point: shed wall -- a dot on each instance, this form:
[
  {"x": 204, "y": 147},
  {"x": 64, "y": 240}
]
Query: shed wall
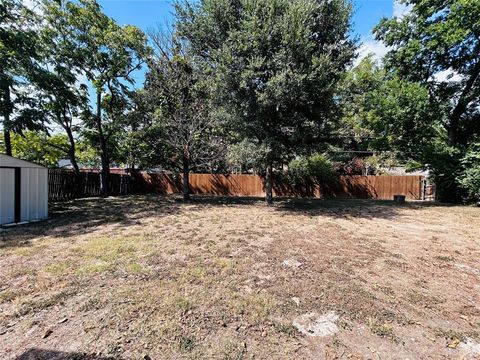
[
  {"x": 34, "y": 194},
  {"x": 7, "y": 195}
]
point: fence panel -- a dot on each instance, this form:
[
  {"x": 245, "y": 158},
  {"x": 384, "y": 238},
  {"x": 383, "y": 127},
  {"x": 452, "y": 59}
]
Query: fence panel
[
  {"x": 363, "y": 187},
  {"x": 65, "y": 184}
]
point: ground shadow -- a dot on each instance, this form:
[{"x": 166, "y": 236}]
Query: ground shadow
[
  {"x": 333, "y": 207},
  {"x": 82, "y": 216},
  {"x": 209, "y": 200},
  {"x": 348, "y": 208},
  {"x": 42, "y": 354},
  {"x": 74, "y": 217}
]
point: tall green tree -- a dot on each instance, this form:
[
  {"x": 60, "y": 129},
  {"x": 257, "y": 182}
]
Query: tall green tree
[
  {"x": 439, "y": 38},
  {"x": 386, "y": 114},
  {"x": 437, "y": 45},
  {"x": 18, "y": 54},
  {"x": 276, "y": 65},
  {"x": 57, "y": 95},
  {"x": 185, "y": 130},
  {"x": 108, "y": 55}
]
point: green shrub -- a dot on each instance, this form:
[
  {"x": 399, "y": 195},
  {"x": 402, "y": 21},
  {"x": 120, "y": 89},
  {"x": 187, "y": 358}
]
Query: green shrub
[
  {"x": 469, "y": 179},
  {"x": 317, "y": 167}
]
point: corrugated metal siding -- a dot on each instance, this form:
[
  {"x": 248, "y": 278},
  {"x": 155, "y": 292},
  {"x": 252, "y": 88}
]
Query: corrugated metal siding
[
  {"x": 34, "y": 190},
  {"x": 7, "y": 196}
]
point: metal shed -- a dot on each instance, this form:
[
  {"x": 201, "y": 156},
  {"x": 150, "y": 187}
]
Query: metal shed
[{"x": 23, "y": 191}]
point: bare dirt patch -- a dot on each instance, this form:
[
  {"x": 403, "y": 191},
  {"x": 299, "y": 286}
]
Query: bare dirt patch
[{"x": 147, "y": 276}]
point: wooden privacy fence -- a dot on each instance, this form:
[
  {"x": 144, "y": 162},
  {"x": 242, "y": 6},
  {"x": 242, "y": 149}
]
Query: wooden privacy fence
[
  {"x": 364, "y": 187},
  {"x": 65, "y": 184}
]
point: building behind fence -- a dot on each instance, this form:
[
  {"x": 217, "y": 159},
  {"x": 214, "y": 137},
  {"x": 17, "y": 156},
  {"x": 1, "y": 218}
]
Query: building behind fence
[{"x": 65, "y": 184}]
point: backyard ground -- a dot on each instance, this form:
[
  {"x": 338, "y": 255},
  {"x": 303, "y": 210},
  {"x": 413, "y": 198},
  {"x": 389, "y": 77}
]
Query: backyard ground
[{"x": 150, "y": 277}]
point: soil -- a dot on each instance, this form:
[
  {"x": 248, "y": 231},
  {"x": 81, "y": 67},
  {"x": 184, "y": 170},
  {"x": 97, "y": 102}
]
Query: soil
[{"x": 147, "y": 277}]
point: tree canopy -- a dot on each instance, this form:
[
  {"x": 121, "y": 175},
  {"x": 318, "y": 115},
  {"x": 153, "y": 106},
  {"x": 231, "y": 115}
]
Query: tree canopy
[
  {"x": 275, "y": 65},
  {"x": 245, "y": 85}
]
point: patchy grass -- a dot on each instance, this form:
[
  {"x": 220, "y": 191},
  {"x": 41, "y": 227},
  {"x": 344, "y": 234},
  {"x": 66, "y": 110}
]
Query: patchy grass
[{"x": 226, "y": 279}]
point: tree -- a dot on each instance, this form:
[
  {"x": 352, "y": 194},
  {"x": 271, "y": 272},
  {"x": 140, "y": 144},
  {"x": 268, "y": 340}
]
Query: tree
[
  {"x": 437, "y": 45},
  {"x": 184, "y": 130},
  {"x": 133, "y": 150},
  {"x": 56, "y": 95},
  {"x": 33, "y": 146},
  {"x": 108, "y": 55},
  {"x": 276, "y": 66},
  {"x": 469, "y": 178},
  {"x": 386, "y": 114},
  {"x": 439, "y": 38},
  {"x": 18, "y": 51}
]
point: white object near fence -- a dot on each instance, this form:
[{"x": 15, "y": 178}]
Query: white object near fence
[{"x": 23, "y": 191}]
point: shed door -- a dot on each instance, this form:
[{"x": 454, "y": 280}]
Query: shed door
[{"x": 7, "y": 196}]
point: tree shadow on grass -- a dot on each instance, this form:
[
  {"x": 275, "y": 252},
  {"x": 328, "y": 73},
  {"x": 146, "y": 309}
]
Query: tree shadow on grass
[
  {"x": 209, "y": 200},
  {"x": 42, "y": 354},
  {"x": 349, "y": 208},
  {"x": 76, "y": 217},
  {"x": 333, "y": 207},
  {"x": 81, "y": 216}
]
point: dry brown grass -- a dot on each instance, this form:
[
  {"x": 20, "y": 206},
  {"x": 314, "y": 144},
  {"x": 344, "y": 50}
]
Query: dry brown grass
[{"x": 227, "y": 279}]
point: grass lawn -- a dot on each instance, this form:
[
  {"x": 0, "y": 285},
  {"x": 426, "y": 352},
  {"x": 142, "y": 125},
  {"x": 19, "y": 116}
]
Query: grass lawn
[{"x": 150, "y": 277}]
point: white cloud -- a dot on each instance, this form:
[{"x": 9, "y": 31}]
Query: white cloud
[
  {"x": 400, "y": 9},
  {"x": 447, "y": 75},
  {"x": 371, "y": 46},
  {"x": 33, "y": 5},
  {"x": 377, "y": 48}
]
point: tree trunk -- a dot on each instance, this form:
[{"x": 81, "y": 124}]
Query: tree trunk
[
  {"x": 104, "y": 176},
  {"x": 6, "y": 113},
  {"x": 269, "y": 184},
  {"x": 71, "y": 150},
  {"x": 463, "y": 101},
  {"x": 186, "y": 182},
  {"x": 7, "y": 140},
  {"x": 79, "y": 188}
]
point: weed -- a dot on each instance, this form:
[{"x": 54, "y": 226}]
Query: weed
[
  {"x": 58, "y": 269},
  {"x": 288, "y": 329},
  {"x": 382, "y": 330},
  {"x": 445, "y": 258},
  {"x": 186, "y": 343},
  {"x": 182, "y": 304},
  {"x": 450, "y": 334}
]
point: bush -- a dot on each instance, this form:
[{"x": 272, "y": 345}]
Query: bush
[
  {"x": 317, "y": 166},
  {"x": 469, "y": 179}
]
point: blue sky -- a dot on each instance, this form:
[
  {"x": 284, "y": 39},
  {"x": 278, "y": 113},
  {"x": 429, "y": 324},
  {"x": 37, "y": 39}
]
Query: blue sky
[{"x": 148, "y": 14}]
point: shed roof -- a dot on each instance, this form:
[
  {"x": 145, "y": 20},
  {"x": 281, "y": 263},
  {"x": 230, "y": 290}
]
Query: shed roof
[{"x": 10, "y": 161}]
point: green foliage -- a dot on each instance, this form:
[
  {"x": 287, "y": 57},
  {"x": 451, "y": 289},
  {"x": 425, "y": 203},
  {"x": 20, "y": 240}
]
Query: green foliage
[
  {"x": 439, "y": 37},
  {"x": 316, "y": 166},
  {"x": 37, "y": 148},
  {"x": 274, "y": 64},
  {"x": 469, "y": 179},
  {"x": 246, "y": 155},
  {"x": 107, "y": 54},
  {"x": 47, "y": 150},
  {"x": 436, "y": 46},
  {"x": 18, "y": 56},
  {"x": 384, "y": 113},
  {"x": 434, "y": 36}
]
